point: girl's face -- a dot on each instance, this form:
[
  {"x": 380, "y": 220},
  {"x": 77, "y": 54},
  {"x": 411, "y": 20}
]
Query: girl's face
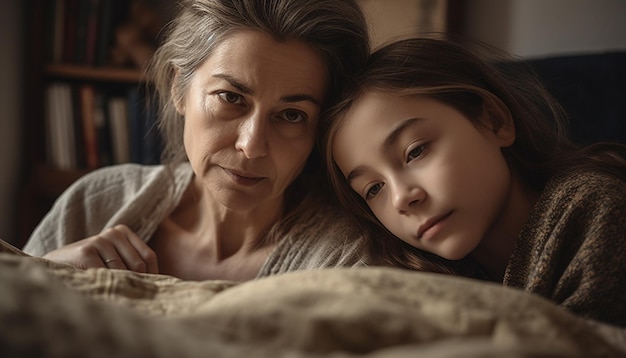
[
  {"x": 432, "y": 177},
  {"x": 251, "y": 115}
]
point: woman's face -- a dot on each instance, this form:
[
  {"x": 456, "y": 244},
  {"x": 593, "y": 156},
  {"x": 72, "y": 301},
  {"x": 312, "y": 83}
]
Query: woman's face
[
  {"x": 251, "y": 115},
  {"x": 429, "y": 175}
]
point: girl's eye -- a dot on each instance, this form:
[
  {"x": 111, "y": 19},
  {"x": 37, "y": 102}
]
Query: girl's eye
[
  {"x": 416, "y": 152},
  {"x": 230, "y": 97},
  {"x": 293, "y": 116},
  {"x": 373, "y": 191}
]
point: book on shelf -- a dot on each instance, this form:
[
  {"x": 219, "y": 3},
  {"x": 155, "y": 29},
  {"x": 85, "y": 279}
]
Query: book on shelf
[
  {"x": 118, "y": 119},
  {"x": 70, "y": 25},
  {"x": 80, "y": 159},
  {"x": 152, "y": 143},
  {"x": 88, "y": 120},
  {"x": 103, "y": 130},
  {"x": 51, "y": 124},
  {"x": 93, "y": 24},
  {"x": 55, "y": 24},
  {"x": 147, "y": 146},
  {"x": 82, "y": 31},
  {"x": 135, "y": 125},
  {"x": 68, "y": 130},
  {"x": 104, "y": 34},
  {"x": 60, "y": 126},
  {"x": 88, "y": 127}
]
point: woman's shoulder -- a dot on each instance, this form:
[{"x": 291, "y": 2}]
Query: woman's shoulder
[
  {"x": 130, "y": 177},
  {"x": 328, "y": 238},
  {"x": 329, "y": 217},
  {"x": 132, "y": 194}
]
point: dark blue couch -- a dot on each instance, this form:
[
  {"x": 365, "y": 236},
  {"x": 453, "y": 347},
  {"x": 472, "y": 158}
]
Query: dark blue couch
[{"x": 592, "y": 88}]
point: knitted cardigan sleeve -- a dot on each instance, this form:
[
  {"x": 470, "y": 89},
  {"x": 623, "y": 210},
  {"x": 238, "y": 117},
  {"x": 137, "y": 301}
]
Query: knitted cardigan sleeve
[
  {"x": 139, "y": 196},
  {"x": 573, "y": 249},
  {"x": 142, "y": 196},
  {"x": 327, "y": 239}
]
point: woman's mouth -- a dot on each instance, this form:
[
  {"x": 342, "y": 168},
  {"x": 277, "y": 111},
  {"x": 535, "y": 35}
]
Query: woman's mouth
[{"x": 242, "y": 178}]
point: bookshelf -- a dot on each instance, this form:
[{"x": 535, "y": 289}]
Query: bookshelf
[
  {"x": 84, "y": 104},
  {"x": 86, "y": 73}
]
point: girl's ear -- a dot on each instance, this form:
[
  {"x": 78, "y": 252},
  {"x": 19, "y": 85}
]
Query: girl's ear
[{"x": 498, "y": 119}]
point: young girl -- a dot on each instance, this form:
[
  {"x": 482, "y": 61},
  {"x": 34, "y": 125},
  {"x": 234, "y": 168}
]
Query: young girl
[{"x": 465, "y": 161}]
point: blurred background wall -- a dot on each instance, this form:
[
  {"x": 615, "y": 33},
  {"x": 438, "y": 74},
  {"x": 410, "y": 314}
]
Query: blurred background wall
[
  {"x": 539, "y": 28},
  {"x": 528, "y": 28}
]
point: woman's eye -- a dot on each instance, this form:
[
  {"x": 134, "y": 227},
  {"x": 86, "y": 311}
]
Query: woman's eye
[
  {"x": 230, "y": 97},
  {"x": 292, "y": 123},
  {"x": 293, "y": 116},
  {"x": 416, "y": 152},
  {"x": 373, "y": 191}
]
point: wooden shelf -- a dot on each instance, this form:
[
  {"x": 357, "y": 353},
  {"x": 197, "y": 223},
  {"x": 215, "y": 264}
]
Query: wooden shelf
[
  {"x": 40, "y": 191},
  {"x": 109, "y": 74},
  {"x": 51, "y": 182},
  {"x": 42, "y": 183}
]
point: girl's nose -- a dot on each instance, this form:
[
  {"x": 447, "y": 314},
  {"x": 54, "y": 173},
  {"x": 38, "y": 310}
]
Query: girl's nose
[
  {"x": 406, "y": 194},
  {"x": 253, "y": 137}
]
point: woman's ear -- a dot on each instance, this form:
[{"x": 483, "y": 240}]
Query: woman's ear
[{"x": 179, "y": 101}]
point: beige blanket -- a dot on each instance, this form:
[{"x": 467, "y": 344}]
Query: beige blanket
[{"x": 52, "y": 310}]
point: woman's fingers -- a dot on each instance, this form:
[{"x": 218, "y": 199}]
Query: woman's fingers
[
  {"x": 109, "y": 255},
  {"x": 135, "y": 253},
  {"x": 115, "y": 248},
  {"x": 81, "y": 254}
]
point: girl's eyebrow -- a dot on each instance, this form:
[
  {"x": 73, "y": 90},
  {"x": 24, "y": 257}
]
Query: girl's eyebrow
[
  {"x": 395, "y": 133},
  {"x": 389, "y": 141},
  {"x": 356, "y": 172},
  {"x": 249, "y": 91}
]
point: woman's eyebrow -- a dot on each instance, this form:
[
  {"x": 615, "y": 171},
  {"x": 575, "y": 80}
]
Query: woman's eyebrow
[
  {"x": 300, "y": 98},
  {"x": 249, "y": 91},
  {"x": 235, "y": 83},
  {"x": 397, "y": 131}
]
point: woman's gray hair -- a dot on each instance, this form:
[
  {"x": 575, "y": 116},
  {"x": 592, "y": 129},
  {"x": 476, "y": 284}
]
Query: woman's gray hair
[{"x": 336, "y": 28}]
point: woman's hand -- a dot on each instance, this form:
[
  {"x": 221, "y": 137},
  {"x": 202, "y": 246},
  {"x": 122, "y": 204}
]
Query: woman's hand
[{"x": 115, "y": 248}]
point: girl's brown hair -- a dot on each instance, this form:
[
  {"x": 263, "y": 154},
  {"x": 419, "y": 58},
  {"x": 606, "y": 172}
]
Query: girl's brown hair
[{"x": 472, "y": 78}]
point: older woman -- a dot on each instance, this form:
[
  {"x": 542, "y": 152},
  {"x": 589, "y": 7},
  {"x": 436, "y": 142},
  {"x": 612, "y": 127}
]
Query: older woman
[{"x": 241, "y": 86}]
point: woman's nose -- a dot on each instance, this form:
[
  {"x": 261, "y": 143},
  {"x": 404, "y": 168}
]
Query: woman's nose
[
  {"x": 406, "y": 194},
  {"x": 253, "y": 137}
]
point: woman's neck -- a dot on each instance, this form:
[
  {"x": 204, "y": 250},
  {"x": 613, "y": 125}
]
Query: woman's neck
[{"x": 226, "y": 232}]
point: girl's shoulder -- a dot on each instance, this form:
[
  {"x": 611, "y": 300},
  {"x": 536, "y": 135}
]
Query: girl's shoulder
[
  {"x": 586, "y": 185},
  {"x": 583, "y": 194}
]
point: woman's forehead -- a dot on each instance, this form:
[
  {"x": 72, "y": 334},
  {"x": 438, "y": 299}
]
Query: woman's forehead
[{"x": 257, "y": 60}]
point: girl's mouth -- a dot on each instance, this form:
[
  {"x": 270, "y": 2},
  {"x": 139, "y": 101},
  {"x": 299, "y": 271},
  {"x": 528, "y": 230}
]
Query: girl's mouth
[{"x": 432, "y": 226}]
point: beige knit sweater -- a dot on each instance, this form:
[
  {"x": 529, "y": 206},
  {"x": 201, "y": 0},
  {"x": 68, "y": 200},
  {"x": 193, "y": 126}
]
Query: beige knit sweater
[{"x": 142, "y": 196}]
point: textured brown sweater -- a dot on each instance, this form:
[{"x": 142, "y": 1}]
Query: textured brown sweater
[{"x": 573, "y": 249}]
